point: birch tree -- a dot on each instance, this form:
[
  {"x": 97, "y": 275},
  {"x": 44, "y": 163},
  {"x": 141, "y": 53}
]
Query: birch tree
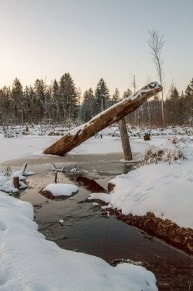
[{"x": 156, "y": 43}]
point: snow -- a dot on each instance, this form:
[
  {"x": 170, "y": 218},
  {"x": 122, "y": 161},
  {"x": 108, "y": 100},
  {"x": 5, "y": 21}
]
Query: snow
[
  {"x": 148, "y": 88},
  {"x": 101, "y": 196},
  {"x": 61, "y": 189},
  {"x": 30, "y": 262},
  {"x": 13, "y": 148},
  {"x": 7, "y": 177},
  {"x": 165, "y": 190}
]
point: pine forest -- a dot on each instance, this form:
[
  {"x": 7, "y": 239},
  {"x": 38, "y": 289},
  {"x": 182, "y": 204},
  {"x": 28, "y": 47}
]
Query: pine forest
[{"x": 62, "y": 103}]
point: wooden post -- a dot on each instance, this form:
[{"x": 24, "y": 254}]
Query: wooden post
[
  {"x": 23, "y": 169},
  {"x": 16, "y": 182},
  {"x": 125, "y": 140},
  {"x": 109, "y": 116},
  {"x": 55, "y": 177}
]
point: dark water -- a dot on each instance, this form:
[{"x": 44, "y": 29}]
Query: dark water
[{"x": 85, "y": 229}]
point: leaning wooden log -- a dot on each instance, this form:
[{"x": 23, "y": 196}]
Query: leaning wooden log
[{"x": 112, "y": 114}]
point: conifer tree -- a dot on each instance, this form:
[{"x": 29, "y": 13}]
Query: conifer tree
[
  {"x": 17, "y": 101},
  {"x": 40, "y": 92},
  {"x": 5, "y": 105},
  {"x": 189, "y": 101},
  {"x": 172, "y": 107},
  {"x": 32, "y": 105},
  {"x": 101, "y": 96},
  {"x": 189, "y": 90},
  {"x": 55, "y": 99},
  {"x": 88, "y": 105},
  {"x": 116, "y": 96},
  {"x": 68, "y": 97}
]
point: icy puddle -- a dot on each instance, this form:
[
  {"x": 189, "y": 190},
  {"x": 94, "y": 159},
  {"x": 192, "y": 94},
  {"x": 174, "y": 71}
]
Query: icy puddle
[{"x": 81, "y": 226}]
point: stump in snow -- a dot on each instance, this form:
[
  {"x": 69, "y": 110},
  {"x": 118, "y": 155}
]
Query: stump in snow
[
  {"x": 147, "y": 136},
  {"x": 16, "y": 182}
]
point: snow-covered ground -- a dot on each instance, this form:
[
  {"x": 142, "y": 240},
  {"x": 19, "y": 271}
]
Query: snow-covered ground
[
  {"x": 163, "y": 187},
  {"x": 21, "y": 146},
  {"x": 29, "y": 262}
]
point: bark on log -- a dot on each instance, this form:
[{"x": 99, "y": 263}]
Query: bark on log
[{"x": 102, "y": 120}]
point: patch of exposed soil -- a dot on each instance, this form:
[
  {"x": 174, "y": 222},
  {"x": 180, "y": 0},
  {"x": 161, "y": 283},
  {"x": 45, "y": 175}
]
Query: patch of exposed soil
[{"x": 165, "y": 229}]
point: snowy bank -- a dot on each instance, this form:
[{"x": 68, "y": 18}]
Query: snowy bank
[
  {"x": 29, "y": 262},
  {"x": 157, "y": 197},
  {"x": 163, "y": 188}
]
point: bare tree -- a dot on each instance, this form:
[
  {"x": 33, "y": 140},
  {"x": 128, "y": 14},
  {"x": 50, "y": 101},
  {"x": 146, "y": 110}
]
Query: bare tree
[
  {"x": 133, "y": 83},
  {"x": 156, "y": 43}
]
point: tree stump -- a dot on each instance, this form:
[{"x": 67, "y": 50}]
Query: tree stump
[
  {"x": 16, "y": 182},
  {"x": 147, "y": 136}
]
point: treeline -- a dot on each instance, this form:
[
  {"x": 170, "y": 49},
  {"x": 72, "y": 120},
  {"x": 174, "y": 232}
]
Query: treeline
[{"x": 61, "y": 103}]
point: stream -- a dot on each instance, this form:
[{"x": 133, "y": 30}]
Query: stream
[{"x": 84, "y": 228}]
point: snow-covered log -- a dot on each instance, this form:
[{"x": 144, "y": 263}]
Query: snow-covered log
[{"x": 102, "y": 120}]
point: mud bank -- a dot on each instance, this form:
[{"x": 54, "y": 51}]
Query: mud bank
[
  {"x": 171, "y": 233},
  {"x": 164, "y": 229}
]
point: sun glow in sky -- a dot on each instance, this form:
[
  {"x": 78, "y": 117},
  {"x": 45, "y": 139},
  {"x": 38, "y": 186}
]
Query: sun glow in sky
[{"x": 93, "y": 39}]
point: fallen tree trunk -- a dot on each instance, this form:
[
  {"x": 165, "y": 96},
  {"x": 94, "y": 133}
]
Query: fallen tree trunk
[{"x": 112, "y": 114}]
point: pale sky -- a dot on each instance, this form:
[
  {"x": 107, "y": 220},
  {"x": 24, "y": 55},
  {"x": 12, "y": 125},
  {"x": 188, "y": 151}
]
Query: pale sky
[{"x": 93, "y": 39}]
